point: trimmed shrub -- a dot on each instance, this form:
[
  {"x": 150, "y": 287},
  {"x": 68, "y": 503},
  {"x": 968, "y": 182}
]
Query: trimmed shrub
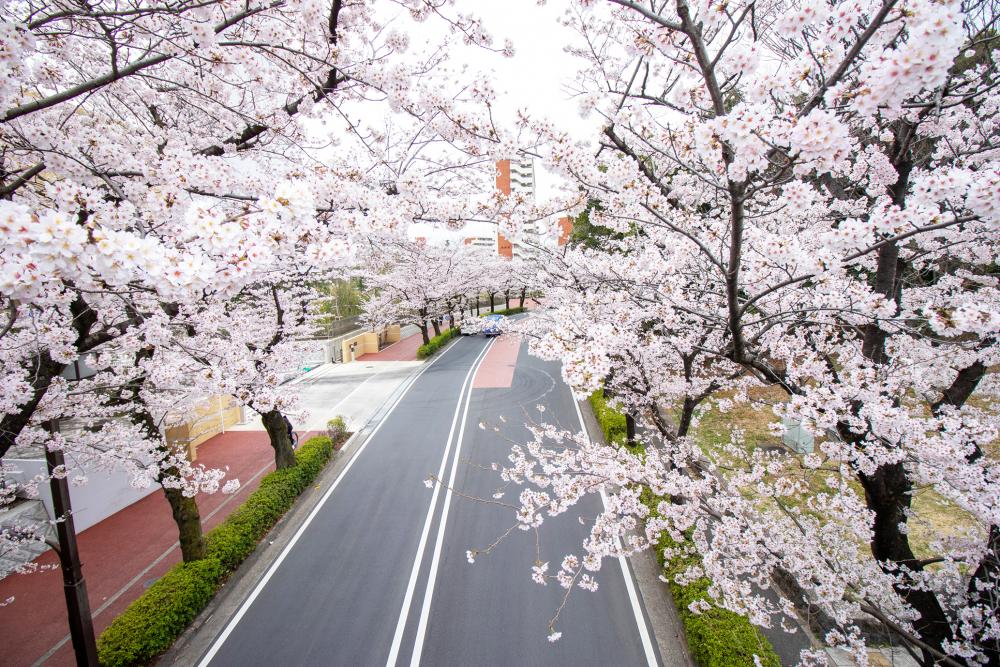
[
  {"x": 612, "y": 422},
  {"x": 717, "y": 637},
  {"x": 236, "y": 537},
  {"x": 436, "y": 343},
  {"x": 153, "y": 622},
  {"x": 336, "y": 429}
]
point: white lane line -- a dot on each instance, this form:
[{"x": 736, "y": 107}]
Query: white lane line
[
  {"x": 397, "y": 638},
  {"x": 305, "y": 524},
  {"x": 418, "y": 643},
  {"x": 647, "y": 643}
]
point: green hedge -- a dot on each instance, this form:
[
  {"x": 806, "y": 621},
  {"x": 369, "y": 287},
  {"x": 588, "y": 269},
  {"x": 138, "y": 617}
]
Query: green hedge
[
  {"x": 612, "y": 422},
  {"x": 153, "y": 622},
  {"x": 436, "y": 343},
  {"x": 717, "y": 637}
]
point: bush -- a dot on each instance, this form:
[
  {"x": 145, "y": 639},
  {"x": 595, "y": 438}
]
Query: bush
[
  {"x": 236, "y": 537},
  {"x": 151, "y": 624},
  {"x": 336, "y": 429},
  {"x": 717, "y": 637},
  {"x": 436, "y": 343},
  {"x": 612, "y": 422}
]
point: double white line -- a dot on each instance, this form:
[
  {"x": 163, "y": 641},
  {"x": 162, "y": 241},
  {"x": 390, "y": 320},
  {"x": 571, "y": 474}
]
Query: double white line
[{"x": 397, "y": 639}]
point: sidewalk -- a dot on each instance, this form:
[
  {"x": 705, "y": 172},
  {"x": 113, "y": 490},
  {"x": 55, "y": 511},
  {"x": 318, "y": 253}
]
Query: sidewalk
[{"x": 121, "y": 556}]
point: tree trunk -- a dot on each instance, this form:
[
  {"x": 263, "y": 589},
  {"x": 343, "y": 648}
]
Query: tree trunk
[
  {"x": 437, "y": 327},
  {"x": 506, "y": 296},
  {"x": 524, "y": 292},
  {"x": 277, "y": 432},
  {"x": 188, "y": 520},
  {"x": 493, "y": 307},
  {"x": 478, "y": 304},
  {"x": 423, "y": 326}
]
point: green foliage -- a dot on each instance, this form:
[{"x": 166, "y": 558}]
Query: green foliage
[
  {"x": 436, "y": 343},
  {"x": 588, "y": 235},
  {"x": 717, "y": 637},
  {"x": 336, "y": 428},
  {"x": 612, "y": 422},
  {"x": 151, "y": 624}
]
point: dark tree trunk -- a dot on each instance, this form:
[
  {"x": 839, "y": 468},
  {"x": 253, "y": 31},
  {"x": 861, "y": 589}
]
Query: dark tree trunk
[
  {"x": 524, "y": 292},
  {"x": 188, "y": 520},
  {"x": 506, "y": 296},
  {"x": 185, "y": 510},
  {"x": 629, "y": 430},
  {"x": 423, "y": 326},
  {"x": 437, "y": 327},
  {"x": 277, "y": 432},
  {"x": 493, "y": 307},
  {"x": 888, "y": 489},
  {"x": 478, "y": 304}
]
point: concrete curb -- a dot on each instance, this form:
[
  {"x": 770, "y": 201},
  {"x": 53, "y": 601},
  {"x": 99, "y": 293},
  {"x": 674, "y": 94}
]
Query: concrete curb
[{"x": 668, "y": 629}]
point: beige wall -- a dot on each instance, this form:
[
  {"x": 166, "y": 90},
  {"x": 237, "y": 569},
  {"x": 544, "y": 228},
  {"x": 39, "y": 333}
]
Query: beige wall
[
  {"x": 368, "y": 342},
  {"x": 211, "y": 417}
]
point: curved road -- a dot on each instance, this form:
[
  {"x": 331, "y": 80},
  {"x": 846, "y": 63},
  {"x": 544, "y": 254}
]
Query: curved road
[{"x": 375, "y": 577}]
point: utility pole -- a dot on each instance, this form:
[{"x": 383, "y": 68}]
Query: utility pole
[{"x": 81, "y": 625}]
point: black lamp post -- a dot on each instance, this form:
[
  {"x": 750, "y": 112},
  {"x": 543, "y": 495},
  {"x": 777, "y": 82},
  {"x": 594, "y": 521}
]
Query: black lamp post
[{"x": 81, "y": 625}]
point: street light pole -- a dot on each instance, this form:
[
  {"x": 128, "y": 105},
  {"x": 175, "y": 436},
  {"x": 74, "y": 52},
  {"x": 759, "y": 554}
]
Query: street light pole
[{"x": 81, "y": 625}]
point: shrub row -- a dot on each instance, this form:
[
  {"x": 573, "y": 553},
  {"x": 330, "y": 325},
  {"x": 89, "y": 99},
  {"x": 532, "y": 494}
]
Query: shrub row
[
  {"x": 612, "y": 422},
  {"x": 436, "y": 343},
  {"x": 717, "y": 637},
  {"x": 153, "y": 622}
]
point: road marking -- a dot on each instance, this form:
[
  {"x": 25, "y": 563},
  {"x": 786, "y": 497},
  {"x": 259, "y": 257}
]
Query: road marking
[
  {"x": 418, "y": 642},
  {"x": 234, "y": 621},
  {"x": 466, "y": 392},
  {"x": 647, "y": 643}
]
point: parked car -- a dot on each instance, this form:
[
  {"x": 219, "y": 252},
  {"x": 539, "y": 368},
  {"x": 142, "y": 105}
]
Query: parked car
[
  {"x": 470, "y": 326},
  {"x": 493, "y": 325}
]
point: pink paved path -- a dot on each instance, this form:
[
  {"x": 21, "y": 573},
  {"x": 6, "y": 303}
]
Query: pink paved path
[
  {"x": 117, "y": 551},
  {"x": 405, "y": 349},
  {"x": 497, "y": 369}
]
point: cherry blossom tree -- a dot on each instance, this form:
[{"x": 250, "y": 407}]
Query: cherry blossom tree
[
  {"x": 804, "y": 197},
  {"x": 159, "y": 161}
]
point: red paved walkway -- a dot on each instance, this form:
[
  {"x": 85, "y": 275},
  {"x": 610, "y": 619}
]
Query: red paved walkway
[
  {"x": 405, "y": 349},
  {"x": 121, "y": 555},
  {"x": 497, "y": 369}
]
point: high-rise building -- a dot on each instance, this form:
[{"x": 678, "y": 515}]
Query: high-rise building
[{"x": 517, "y": 177}]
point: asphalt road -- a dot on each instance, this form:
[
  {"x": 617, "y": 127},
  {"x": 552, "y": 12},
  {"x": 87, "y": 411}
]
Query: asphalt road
[{"x": 377, "y": 578}]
